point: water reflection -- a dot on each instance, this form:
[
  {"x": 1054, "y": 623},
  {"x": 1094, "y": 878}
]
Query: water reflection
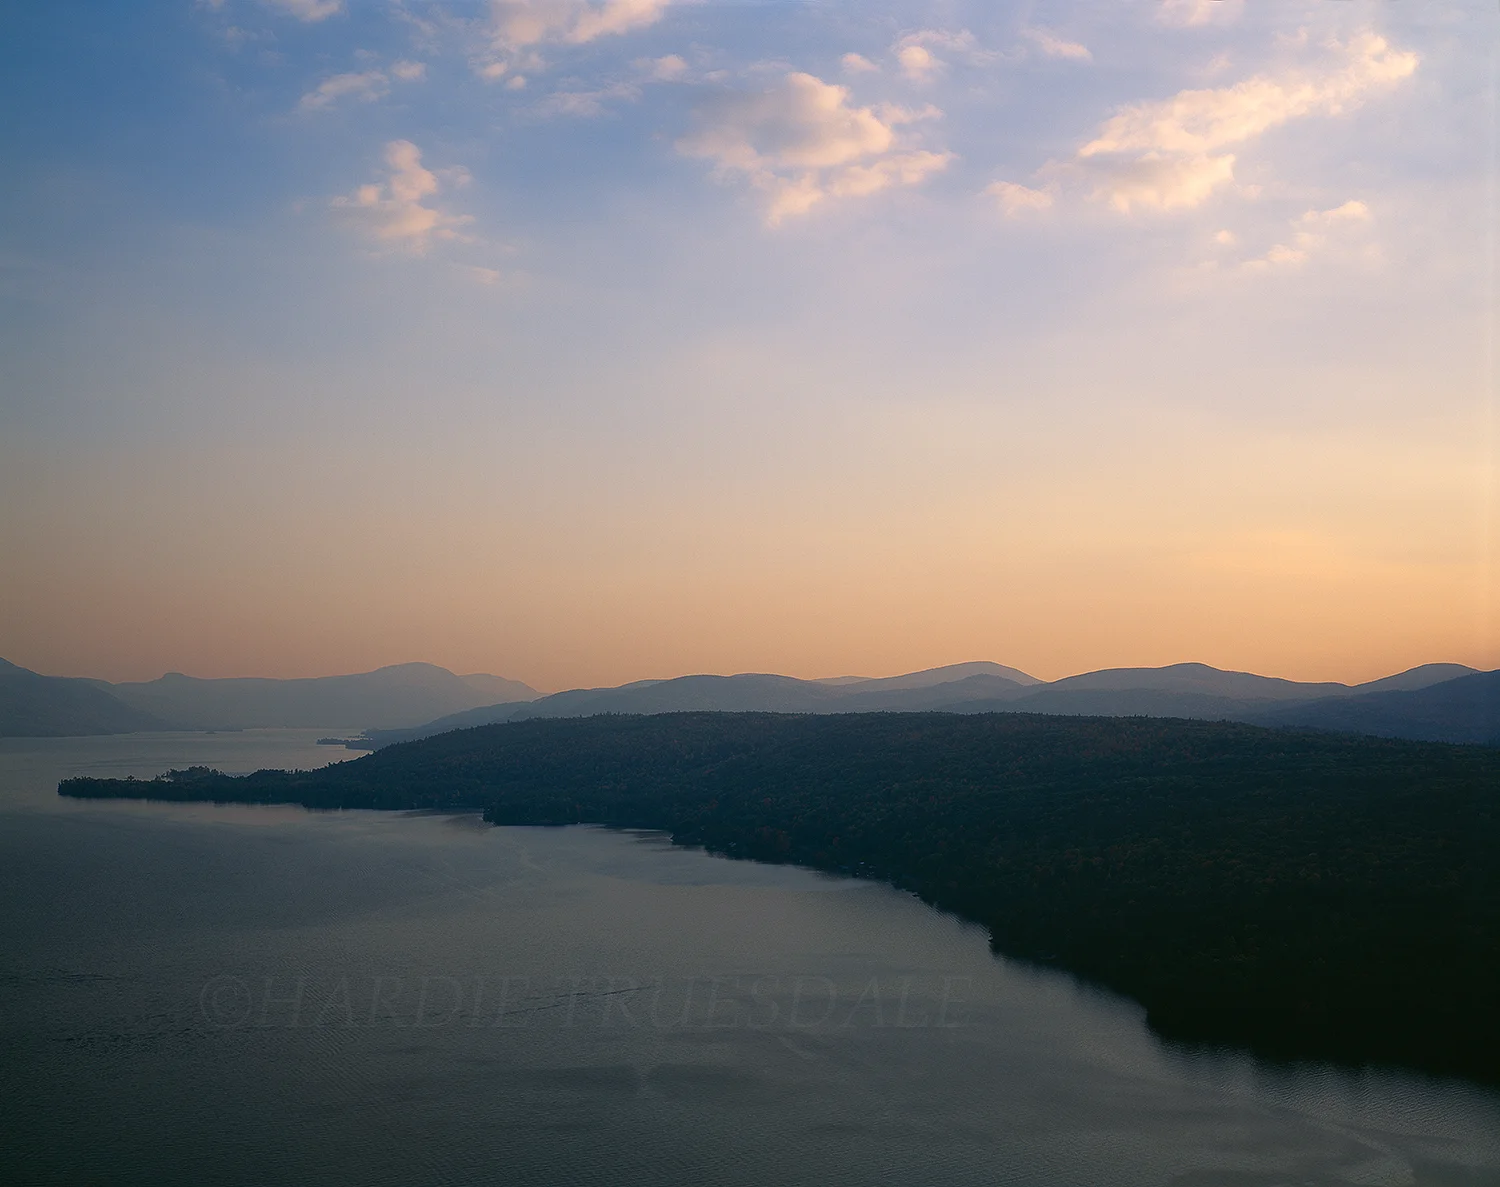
[{"x": 251, "y": 994}]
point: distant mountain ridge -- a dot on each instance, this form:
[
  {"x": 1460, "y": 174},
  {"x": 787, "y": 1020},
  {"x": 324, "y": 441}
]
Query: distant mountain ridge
[
  {"x": 387, "y": 697},
  {"x": 32, "y": 705},
  {"x": 1433, "y": 702},
  {"x": 1190, "y": 690},
  {"x": 37, "y": 706},
  {"x": 1465, "y": 709}
]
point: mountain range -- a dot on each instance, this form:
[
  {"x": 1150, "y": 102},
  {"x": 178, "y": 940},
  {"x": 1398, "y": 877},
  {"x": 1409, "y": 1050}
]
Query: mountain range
[
  {"x": 1433, "y": 702},
  {"x": 1404, "y": 705},
  {"x": 33, "y": 705},
  {"x": 36, "y": 706}
]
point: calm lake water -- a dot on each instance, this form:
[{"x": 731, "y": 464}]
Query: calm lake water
[{"x": 198, "y": 994}]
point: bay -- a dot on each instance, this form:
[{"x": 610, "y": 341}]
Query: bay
[{"x": 234, "y": 994}]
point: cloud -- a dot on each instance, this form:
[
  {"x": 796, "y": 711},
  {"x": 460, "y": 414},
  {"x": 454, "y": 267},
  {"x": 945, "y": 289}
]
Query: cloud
[
  {"x": 532, "y": 22},
  {"x": 1162, "y": 182},
  {"x": 586, "y": 104},
  {"x": 665, "y": 69},
  {"x": 367, "y": 87},
  {"x": 1016, "y": 199},
  {"x": 310, "y": 10},
  {"x": 959, "y": 42},
  {"x": 395, "y": 211},
  {"x": 801, "y": 142},
  {"x": 960, "y": 45},
  {"x": 1349, "y": 212},
  {"x": 905, "y": 168},
  {"x": 1317, "y": 232},
  {"x": 1165, "y": 154},
  {"x": 1056, "y": 47},
  {"x": 858, "y": 64},
  {"x": 516, "y": 28},
  {"x": 1193, "y": 13},
  {"x": 594, "y": 102},
  {"x": 1204, "y": 120},
  {"x": 918, "y": 62}
]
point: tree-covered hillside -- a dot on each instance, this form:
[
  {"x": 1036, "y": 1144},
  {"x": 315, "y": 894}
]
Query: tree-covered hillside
[
  {"x": 37, "y": 706},
  {"x": 1305, "y": 894}
]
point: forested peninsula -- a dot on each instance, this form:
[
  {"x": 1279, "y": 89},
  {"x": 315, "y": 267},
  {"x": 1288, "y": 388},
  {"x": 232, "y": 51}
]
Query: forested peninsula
[{"x": 1303, "y": 895}]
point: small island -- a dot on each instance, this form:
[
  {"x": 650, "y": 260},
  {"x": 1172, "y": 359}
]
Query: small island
[{"x": 1302, "y": 895}]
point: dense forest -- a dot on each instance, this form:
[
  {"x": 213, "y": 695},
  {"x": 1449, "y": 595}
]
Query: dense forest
[{"x": 1305, "y": 895}]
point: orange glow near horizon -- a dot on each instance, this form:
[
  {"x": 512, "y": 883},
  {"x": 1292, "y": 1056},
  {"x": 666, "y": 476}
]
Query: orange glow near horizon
[
  {"x": 1179, "y": 346},
  {"x": 1103, "y": 569}
]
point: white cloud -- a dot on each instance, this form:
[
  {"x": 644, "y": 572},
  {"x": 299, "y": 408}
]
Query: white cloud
[
  {"x": 612, "y": 17},
  {"x": 858, "y": 64},
  {"x": 516, "y": 28},
  {"x": 803, "y": 123},
  {"x": 802, "y": 142},
  {"x": 1015, "y": 199},
  {"x": 367, "y": 87},
  {"x": 1280, "y": 256},
  {"x": 1056, "y": 47},
  {"x": 904, "y": 168},
  {"x": 1190, "y": 13},
  {"x": 918, "y": 61},
  {"x": 586, "y": 103},
  {"x": 1162, "y": 182},
  {"x": 1337, "y": 231},
  {"x": 959, "y": 42},
  {"x": 310, "y": 10},
  {"x": 1165, "y": 153},
  {"x": 1349, "y": 212},
  {"x": 665, "y": 69},
  {"x": 525, "y": 23},
  {"x": 237, "y": 38},
  {"x": 1203, "y": 120},
  {"x": 395, "y": 211}
]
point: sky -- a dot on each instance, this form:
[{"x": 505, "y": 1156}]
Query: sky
[{"x": 583, "y": 341}]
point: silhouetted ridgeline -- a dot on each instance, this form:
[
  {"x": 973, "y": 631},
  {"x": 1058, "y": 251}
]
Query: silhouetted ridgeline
[
  {"x": 34, "y": 706},
  {"x": 1310, "y": 895}
]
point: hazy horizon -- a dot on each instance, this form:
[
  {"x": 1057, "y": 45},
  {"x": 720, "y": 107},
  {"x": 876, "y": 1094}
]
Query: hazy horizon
[
  {"x": 595, "y": 341},
  {"x": 842, "y": 676},
  {"x": 1076, "y": 424}
]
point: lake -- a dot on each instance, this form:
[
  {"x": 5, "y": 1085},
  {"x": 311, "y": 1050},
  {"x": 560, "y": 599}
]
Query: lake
[{"x": 203, "y": 994}]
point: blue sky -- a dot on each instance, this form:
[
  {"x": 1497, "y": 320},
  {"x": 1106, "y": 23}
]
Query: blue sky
[{"x": 585, "y": 340}]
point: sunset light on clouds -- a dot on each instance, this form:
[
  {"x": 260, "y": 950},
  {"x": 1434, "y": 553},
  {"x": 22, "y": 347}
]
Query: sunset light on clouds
[{"x": 592, "y": 340}]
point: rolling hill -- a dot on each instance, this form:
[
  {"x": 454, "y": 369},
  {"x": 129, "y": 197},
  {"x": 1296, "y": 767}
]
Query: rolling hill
[
  {"x": 1466, "y": 709},
  {"x": 37, "y": 706},
  {"x": 1188, "y": 690},
  {"x": 1433, "y": 702},
  {"x": 32, "y": 705}
]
